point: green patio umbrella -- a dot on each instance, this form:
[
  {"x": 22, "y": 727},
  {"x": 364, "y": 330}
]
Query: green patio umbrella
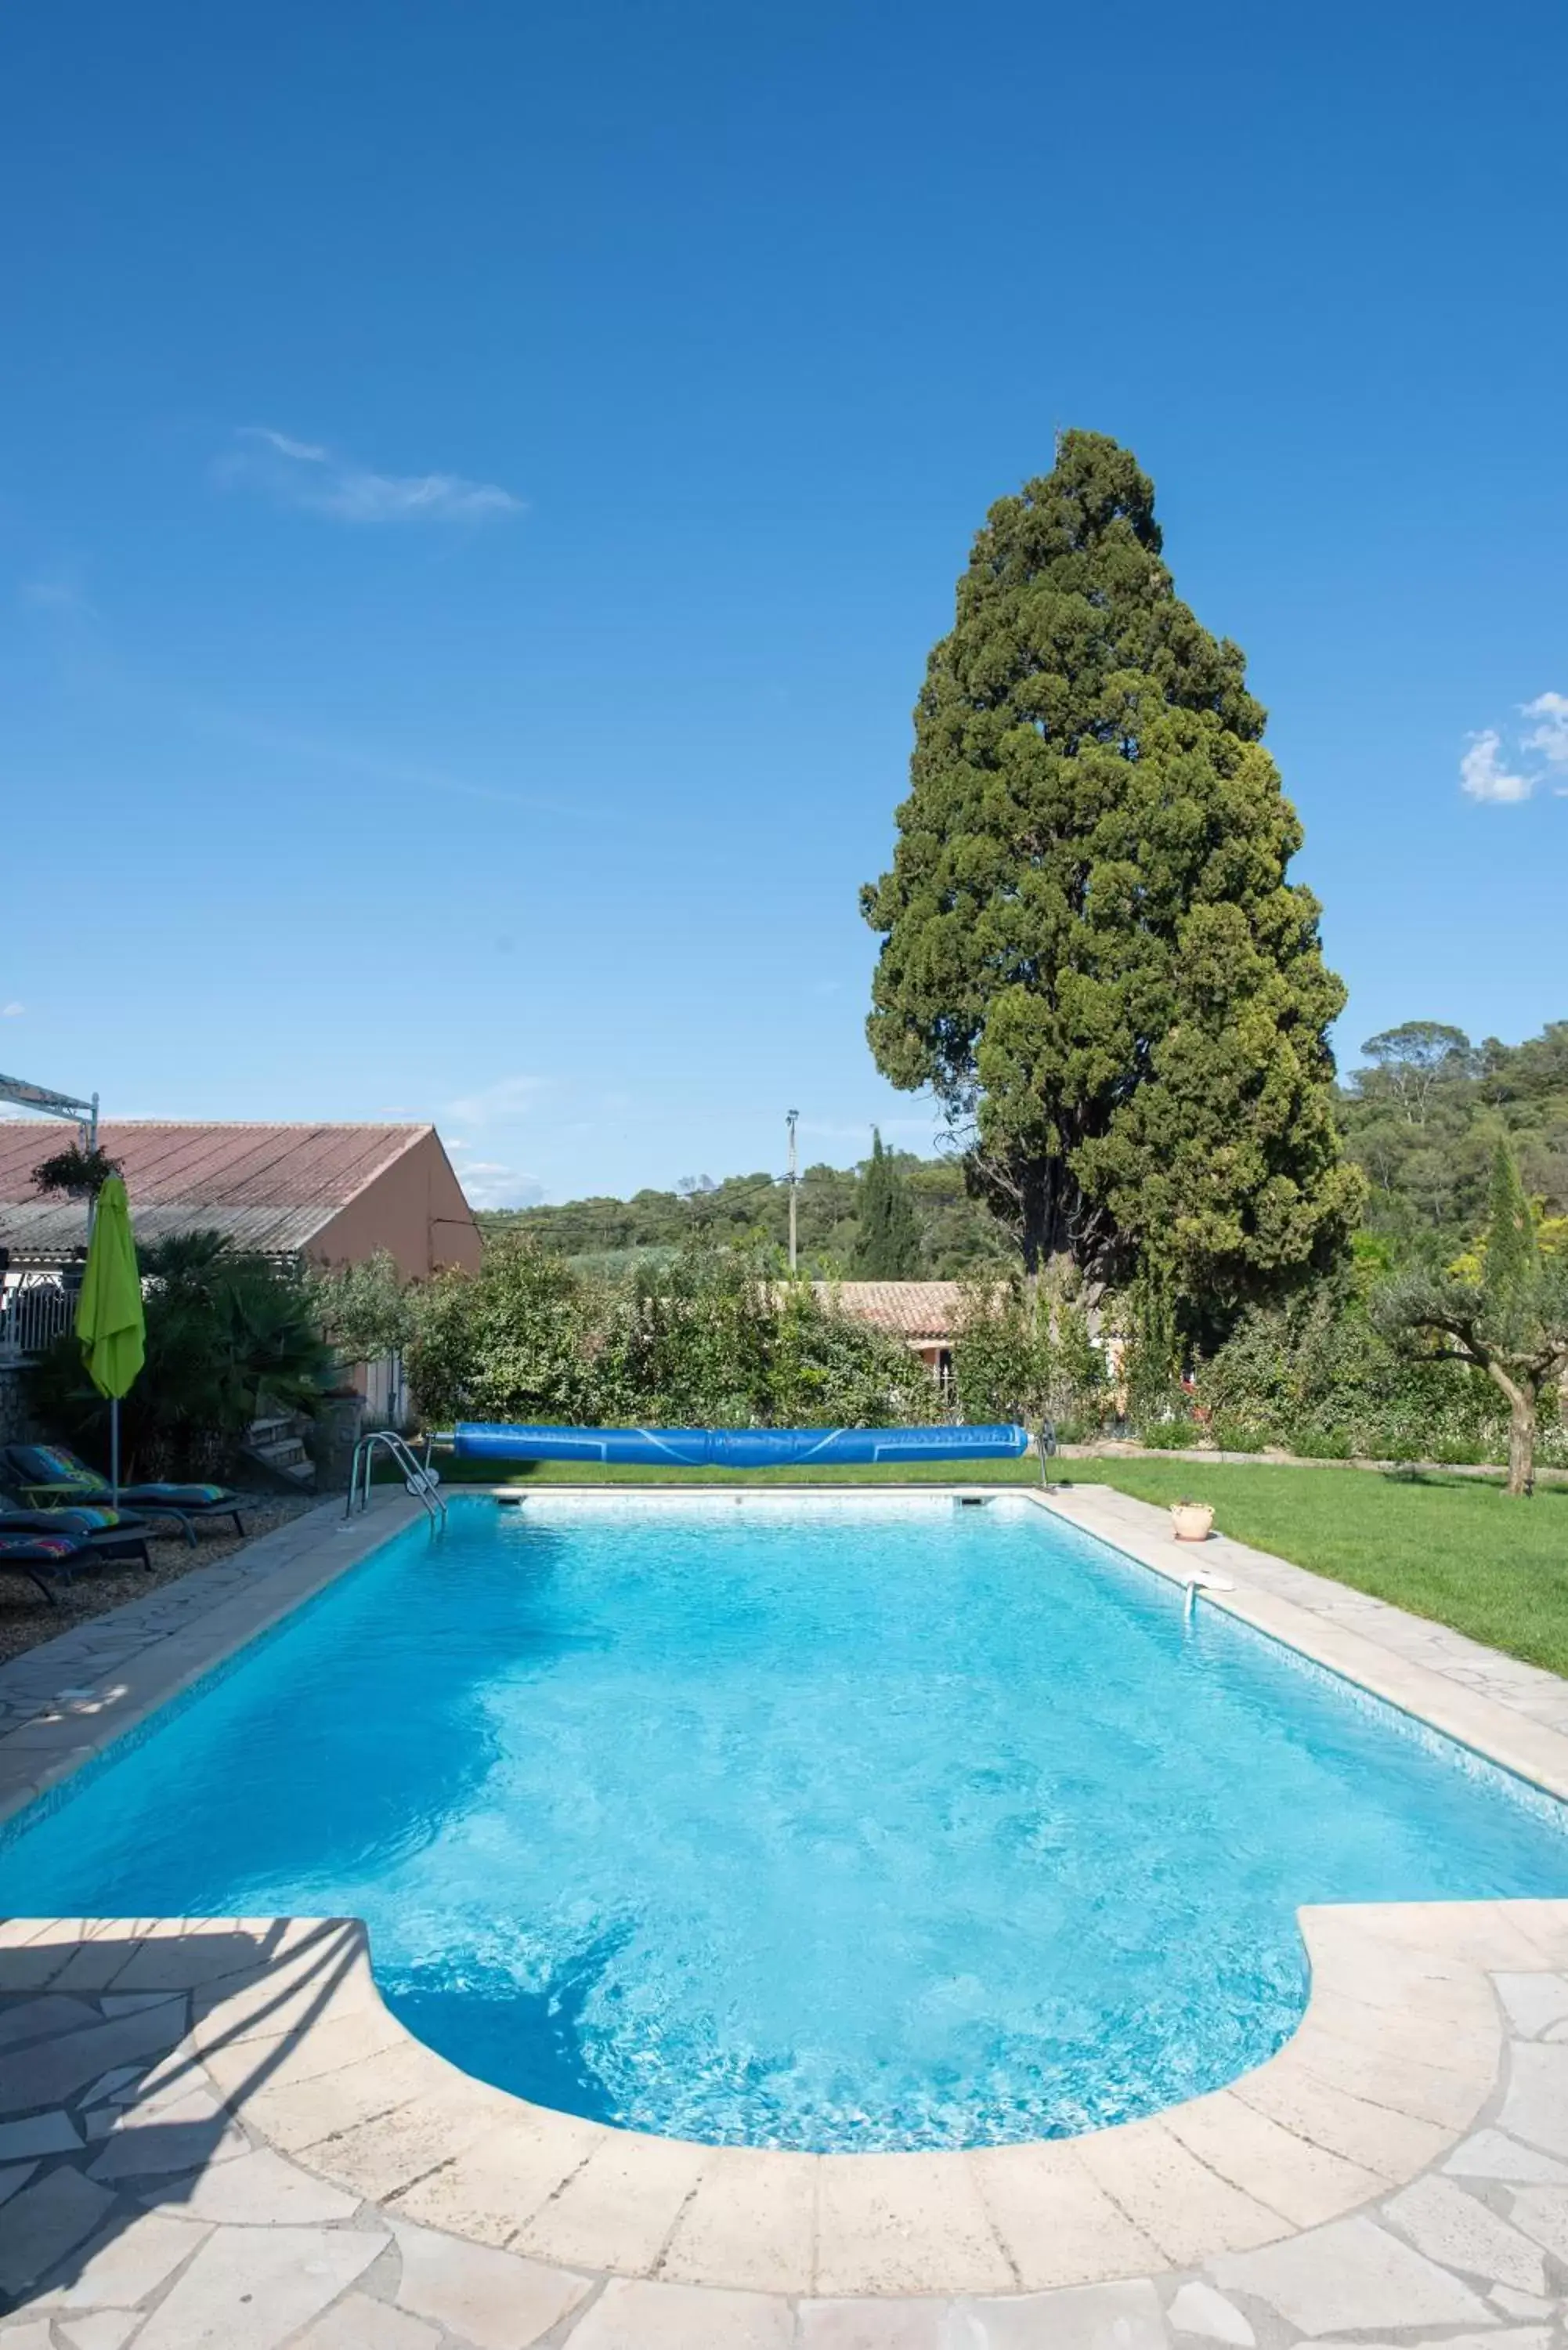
[{"x": 110, "y": 1322}]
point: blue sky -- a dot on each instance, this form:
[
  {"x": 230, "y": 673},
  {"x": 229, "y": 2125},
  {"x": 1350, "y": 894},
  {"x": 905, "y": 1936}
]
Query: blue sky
[{"x": 478, "y": 486}]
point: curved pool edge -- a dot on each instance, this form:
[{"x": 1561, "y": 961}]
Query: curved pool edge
[{"x": 1400, "y": 2052}]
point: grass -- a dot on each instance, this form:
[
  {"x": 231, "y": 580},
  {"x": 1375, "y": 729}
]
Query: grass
[{"x": 1454, "y": 1549}]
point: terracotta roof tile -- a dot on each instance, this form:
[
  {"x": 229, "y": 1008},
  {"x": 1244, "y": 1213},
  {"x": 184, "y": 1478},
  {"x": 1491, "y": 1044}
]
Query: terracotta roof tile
[{"x": 914, "y": 1309}]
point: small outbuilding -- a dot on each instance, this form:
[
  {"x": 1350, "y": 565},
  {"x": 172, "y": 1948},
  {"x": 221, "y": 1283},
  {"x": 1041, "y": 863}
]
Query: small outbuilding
[{"x": 923, "y": 1314}]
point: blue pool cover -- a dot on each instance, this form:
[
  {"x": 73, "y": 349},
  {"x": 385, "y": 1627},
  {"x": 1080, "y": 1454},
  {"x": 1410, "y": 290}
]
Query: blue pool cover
[{"x": 736, "y": 1447}]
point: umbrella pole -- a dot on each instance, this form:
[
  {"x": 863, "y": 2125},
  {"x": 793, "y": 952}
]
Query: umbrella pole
[{"x": 114, "y": 1451}]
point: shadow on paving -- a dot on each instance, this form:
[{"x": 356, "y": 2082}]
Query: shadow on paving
[{"x": 68, "y": 2051}]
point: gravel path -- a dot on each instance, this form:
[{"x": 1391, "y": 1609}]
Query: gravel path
[{"x": 25, "y": 1618}]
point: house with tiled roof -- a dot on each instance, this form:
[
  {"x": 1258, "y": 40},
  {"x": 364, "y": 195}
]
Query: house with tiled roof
[
  {"x": 924, "y": 1314},
  {"x": 335, "y": 1194}
]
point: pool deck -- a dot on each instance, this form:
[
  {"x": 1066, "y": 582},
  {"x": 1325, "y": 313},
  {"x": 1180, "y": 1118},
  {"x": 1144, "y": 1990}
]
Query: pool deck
[{"x": 211, "y": 2132}]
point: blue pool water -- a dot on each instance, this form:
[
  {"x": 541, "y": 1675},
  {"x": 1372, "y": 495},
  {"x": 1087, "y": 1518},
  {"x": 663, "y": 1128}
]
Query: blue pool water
[{"x": 837, "y": 1825}]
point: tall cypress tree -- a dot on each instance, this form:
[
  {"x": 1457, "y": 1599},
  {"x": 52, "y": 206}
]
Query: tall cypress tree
[
  {"x": 1512, "y": 1250},
  {"x": 888, "y": 1247},
  {"x": 1090, "y": 950}
]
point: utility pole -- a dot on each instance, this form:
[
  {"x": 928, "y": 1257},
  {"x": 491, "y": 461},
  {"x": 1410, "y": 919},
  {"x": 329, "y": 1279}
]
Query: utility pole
[{"x": 790, "y": 1118}]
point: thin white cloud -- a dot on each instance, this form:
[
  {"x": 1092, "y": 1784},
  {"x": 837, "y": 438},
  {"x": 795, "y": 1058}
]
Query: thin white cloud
[
  {"x": 307, "y": 452},
  {"x": 371, "y": 763},
  {"x": 489, "y": 1183},
  {"x": 506, "y": 1097},
  {"x": 1484, "y": 774},
  {"x": 12, "y": 1011},
  {"x": 1549, "y": 737},
  {"x": 310, "y": 476}
]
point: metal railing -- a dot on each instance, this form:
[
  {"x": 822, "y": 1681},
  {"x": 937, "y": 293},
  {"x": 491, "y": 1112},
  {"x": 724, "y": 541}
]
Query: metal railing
[
  {"x": 422, "y": 1483},
  {"x": 33, "y": 1314}
]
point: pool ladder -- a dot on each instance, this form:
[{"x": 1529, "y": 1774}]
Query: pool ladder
[{"x": 421, "y": 1481}]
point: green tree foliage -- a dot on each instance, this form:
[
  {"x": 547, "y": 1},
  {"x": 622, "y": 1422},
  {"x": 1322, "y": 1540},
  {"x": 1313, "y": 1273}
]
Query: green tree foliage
[
  {"x": 225, "y": 1331},
  {"x": 1510, "y": 1324},
  {"x": 887, "y": 1243},
  {"x": 507, "y": 1342},
  {"x": 1014, "y": 1359},
  {"x": 1002, "y": 1364},
  {"x": 955, "y": 1231},
  {"x": 366, "y": 1309},
  {"x": 710, "y": 1339},
  {"x": 1151, "y": 1360},
  {"x": 1512, "y": 1251},
  {"x": 1316, "y": 1376},
  {"x": 1420, "y": 1118},
  {"x": 1090, "y": 947}
]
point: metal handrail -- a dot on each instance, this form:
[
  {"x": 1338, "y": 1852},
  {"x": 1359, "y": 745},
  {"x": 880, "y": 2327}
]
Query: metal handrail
[{"x": 422, "y": 1483}]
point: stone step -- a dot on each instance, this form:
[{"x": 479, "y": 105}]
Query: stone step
[
  {"x": 286, "y": 1453},
  {"x": 284, "y": 1464}
]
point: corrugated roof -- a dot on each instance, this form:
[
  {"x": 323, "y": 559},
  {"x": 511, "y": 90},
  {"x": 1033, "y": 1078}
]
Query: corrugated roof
[
  {"x": 268, "y": 1187},
  {"x": 914, "y": 1309}
]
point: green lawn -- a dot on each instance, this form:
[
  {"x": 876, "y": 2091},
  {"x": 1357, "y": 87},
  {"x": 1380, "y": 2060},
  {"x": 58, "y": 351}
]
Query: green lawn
[{"x": 1452, "y": 1548}]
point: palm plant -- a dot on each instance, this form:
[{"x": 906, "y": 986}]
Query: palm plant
[{"x": 225, "y": 1327}]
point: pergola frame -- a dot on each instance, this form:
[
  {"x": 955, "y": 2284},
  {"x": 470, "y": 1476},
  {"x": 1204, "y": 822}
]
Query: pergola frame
[{"x": 81, "y": 1113}]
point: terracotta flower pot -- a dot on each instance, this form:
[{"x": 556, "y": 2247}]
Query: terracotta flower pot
[{"x": 1193, "y": 1520}]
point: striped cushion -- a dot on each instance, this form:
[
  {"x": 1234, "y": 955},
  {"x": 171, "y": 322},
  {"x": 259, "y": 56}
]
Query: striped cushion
[
  {"x": 38, "y": 1546},
  {"x": 194, "y": 1494},
  {"x": 65, "y": 1521},
  {"x": 52, "y": 1464}
]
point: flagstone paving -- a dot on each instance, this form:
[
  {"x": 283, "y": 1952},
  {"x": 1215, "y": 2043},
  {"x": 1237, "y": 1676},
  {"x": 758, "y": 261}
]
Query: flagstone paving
[
  {"x": 201, "y": 2190},
  {"x": 212, "y": 2133}
]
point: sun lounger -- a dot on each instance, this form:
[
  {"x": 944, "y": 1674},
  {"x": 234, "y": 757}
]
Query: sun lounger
[
  {"x": 107, "y": 1532},
  {"x": 52, "y": 1472},
  {"x": 44, "y": 1559}
]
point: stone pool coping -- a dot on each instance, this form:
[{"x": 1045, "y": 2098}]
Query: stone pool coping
[
  {"x": 260, "y": 2130},
  {"x": 283, "y": 2035}
]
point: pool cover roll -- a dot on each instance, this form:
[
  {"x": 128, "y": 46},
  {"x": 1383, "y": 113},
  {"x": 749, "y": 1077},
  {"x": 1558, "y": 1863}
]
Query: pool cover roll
[{"x": 737, "y": 1448}]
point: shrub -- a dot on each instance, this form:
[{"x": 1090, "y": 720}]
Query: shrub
[
  {"x": 364, "y": 1310},
  {"x": 1151, "y": 1360},
  {"x": 1238, "y": 1436},
  {"x": 225, "y": 1330},
  {"x": 1317, "y": 1365},
  {"x": 1008, "y": 1365},
  {"x": 1002, "y": 1364},
  {"x": 1168, "y": 1435},
  {"x": 706, "y": 1340},
  {"x": 1319, "y": 1444},
  {"x": 507, "y": 1342}
]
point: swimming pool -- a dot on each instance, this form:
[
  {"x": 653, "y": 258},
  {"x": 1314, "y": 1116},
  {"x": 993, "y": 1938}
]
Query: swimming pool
[{"x": 820, "y": 1822}]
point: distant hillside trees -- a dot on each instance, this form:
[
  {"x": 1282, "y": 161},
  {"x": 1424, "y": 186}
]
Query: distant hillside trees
[
  {"x": 1421, "y": 1119},
  {"x": 955, "y": 1233},
  {"x": 1091, "y": 952}
]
